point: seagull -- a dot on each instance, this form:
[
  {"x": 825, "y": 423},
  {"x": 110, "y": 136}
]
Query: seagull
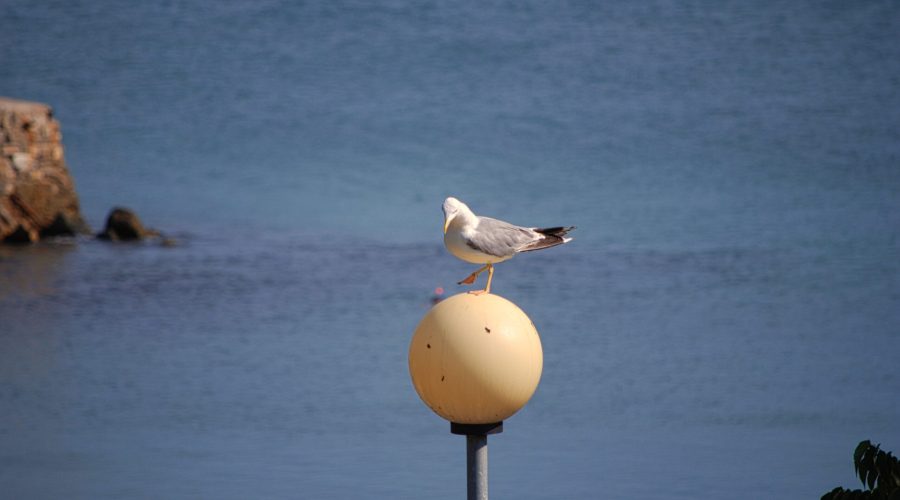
[{"x": 483, "y": 240}]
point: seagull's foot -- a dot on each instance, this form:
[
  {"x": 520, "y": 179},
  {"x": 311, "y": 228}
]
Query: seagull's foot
[
  {"x": 472, "y": 277},
  {"x": 479, "y": 292},
  {"x": 469, "y": 279}
]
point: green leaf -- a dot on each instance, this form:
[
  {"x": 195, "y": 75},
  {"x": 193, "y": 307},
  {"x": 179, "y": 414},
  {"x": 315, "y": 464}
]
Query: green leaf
[
  {"x": 867, "y": 470},
  {"x": 833, "y": 494},
  {"x": 838, "y": 494},
  {"x": 857, "y": 455},
  {"x": 884, "y": 464}
]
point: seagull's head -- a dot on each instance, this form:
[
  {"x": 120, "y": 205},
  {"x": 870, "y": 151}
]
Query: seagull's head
[{"x": 452, "y": 208}]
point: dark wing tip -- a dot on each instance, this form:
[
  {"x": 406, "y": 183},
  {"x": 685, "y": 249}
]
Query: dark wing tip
[
  {"x": 552, "y": 236},
  {"x": 559, "y": 232}
]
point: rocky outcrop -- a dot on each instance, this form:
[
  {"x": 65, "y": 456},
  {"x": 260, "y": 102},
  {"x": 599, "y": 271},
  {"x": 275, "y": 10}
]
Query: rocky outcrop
[
  {"x": 124, "y": 225},
  {"x": 37, "y": 194}
]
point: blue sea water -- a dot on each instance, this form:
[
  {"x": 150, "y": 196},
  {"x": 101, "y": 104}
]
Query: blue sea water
[{"x": 726, "y": 323}]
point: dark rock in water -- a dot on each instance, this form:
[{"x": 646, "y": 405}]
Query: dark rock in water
[
  {"x": 37, "y": 194},
  {"x": 124, "y": 225}
]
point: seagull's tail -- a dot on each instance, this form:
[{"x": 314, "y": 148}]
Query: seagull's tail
[{"x": 552, "y": 236}]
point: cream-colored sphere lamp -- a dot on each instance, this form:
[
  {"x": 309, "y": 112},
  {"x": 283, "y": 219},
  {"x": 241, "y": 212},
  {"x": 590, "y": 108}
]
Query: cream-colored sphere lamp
[{"x": 475, "y": 359}]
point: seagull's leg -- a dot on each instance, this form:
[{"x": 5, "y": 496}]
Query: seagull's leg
[
  {"x": 472, "y": 277},
  {"x": 487, "y": 289}
]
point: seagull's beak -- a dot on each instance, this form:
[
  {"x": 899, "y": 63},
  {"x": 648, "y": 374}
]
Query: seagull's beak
[{"x": 447, "y": 224}]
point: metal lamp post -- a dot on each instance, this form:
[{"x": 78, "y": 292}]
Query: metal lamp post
[{"x": 475, "y": 360}]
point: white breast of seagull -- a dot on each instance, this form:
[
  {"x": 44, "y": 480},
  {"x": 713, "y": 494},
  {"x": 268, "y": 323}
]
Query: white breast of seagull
[{"x": 459, "y": 240}]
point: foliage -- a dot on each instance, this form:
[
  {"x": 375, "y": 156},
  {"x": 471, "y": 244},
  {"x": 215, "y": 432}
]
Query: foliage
[{"x": 879, "y": 472}]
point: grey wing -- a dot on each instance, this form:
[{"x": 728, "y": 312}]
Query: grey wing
[{"x": 499, "y": 238}]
